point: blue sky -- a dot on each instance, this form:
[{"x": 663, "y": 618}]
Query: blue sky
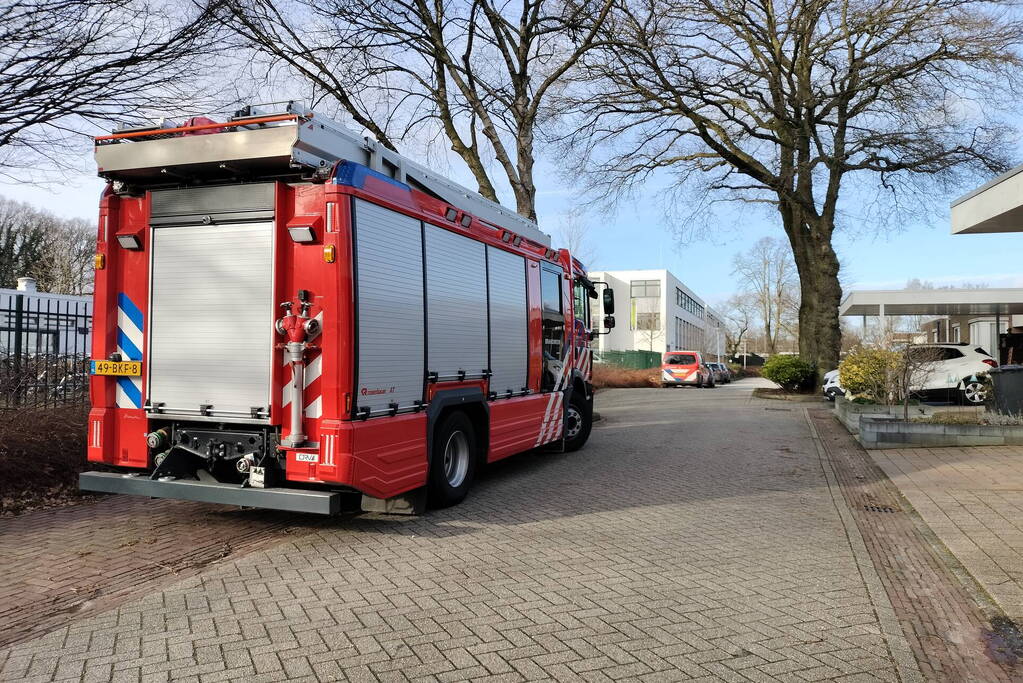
[{"x": 637, "y": 236}]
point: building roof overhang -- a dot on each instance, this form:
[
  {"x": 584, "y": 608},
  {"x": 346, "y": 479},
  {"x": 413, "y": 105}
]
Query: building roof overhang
[
  {"x": 936, "y": 302},
  {"x": 996, "y": 206}
]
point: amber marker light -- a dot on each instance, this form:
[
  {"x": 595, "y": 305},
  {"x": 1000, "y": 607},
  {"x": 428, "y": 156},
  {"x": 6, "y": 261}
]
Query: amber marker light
[
  {"x": 99, "y": 261},
  {"x": 329, "y": 253}
]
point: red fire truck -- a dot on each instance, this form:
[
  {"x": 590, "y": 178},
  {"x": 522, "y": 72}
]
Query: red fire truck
[{"x": 286, "y": 312}]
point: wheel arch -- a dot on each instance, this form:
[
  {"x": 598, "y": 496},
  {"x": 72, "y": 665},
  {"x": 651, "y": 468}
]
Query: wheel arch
[{"x": 471, "y": 402}]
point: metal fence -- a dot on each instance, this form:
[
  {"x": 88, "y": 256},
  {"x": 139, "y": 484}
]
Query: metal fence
[
  {"x": 633, "y": 360},
  {"x": 44, "y": 349}
]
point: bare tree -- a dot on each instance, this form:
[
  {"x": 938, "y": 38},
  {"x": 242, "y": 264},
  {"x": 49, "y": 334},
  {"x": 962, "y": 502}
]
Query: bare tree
[
  {"x": 477, "y": 73},
  {"x": 652, "y": 336},
  {"x": 22, "y": 241},
  {"x": 915, "y": 367},
  {"x": 792, "y": 103},
  {"x": 739, "y": 313},
  {"x": 573, "y": 232},
  {"x": 67, "y": 65},
  {"x": 768, "y": 277},
  {"x": 56, "y": 251}
]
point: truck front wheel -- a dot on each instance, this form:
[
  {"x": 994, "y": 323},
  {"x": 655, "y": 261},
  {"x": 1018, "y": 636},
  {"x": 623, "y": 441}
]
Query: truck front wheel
[
  {"x": 578, "y": 422},
  {"x": 452, "y": 461}
]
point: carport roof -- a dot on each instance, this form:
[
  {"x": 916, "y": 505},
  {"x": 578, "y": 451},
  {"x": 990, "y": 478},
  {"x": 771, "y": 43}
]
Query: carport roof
[
  {"x": 933, "y": 302},
  {"x": 996, "y": 206}
]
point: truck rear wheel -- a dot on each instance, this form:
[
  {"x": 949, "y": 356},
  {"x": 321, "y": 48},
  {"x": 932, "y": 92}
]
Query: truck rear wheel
[
  {"x": 452, "y": 460},
  {"x": 578, "y": 422}
]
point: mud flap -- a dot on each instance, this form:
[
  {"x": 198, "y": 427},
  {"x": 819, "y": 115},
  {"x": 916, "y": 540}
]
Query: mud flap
[{"x": 410, "y": 503}]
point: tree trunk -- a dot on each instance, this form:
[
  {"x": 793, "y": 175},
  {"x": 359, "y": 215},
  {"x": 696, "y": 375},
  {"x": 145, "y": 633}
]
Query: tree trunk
[{"x": 820, "y": 336}]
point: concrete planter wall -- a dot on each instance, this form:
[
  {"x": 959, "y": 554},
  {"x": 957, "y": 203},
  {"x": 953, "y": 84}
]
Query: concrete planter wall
[
  {"x": 886, "y": 432},
  {"x": 851, "y": 414}
]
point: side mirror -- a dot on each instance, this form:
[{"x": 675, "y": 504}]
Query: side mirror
[
  {"x": 609, "y": 320},
  {"x": 609, "y": 301}
]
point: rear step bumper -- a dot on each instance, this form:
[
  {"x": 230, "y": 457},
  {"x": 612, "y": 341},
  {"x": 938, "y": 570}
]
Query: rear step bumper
[{"x": 290, "y": 500}]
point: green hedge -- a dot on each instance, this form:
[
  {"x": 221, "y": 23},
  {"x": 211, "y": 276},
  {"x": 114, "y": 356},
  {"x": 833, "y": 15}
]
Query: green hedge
[{"x": 791, "y": 372}]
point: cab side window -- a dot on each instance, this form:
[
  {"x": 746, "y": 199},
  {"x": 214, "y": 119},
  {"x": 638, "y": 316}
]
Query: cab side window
[
  {"x": 553, "y": 327},
  {"x": 550, "y": 291},
  {"x": 581, "y": 304}
]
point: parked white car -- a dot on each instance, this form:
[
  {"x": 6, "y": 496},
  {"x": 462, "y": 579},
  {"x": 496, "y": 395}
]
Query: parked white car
[
  {"x": 831, "y": 388},
  {"x": 942, "y": 372},
  {"x": 949, "y": 368}
]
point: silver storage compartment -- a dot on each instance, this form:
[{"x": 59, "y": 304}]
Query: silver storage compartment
[
  {"x": 211, "y": 318},
  {"x": 456, "y": 305},
  {"x": 509, "y": 351},
  {"x": 389, "y": 295}
]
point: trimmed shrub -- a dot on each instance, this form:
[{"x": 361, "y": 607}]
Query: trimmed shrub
[
  {"x": 870, "y": 373},
  {"x": 791, "y": 372}
]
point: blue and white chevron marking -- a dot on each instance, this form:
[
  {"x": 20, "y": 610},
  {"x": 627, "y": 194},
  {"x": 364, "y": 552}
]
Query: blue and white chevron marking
[{"x": 129, "y": 345}]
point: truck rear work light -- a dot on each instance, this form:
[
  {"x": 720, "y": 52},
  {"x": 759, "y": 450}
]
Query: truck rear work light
[
  {"x": 129, "y": 241},
  {"x": 302, "y": 233}
]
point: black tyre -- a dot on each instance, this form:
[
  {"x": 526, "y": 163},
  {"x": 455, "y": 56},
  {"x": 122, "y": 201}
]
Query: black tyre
[
  {"x": 452, "y": 460},
  {"x": 578, "y": 422},
  {"x": 974, "y": 392}
]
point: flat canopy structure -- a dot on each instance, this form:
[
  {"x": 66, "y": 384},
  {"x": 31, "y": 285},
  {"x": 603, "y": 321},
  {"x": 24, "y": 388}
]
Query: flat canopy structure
[
  {"x": 996, "y": 206},
  {"x": 936, "y": 302}
]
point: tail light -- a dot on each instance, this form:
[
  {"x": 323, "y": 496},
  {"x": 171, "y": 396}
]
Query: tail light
[{"x": 990, "y": 361}]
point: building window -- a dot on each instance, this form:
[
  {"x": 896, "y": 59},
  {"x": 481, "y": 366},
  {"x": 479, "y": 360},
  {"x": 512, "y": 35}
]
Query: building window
[
  {"x": 646, "y": 305},
  {"x": 688, "y": 303},
  {"x": 650, "y": 321},
  {"x": 645, "y": 288}
]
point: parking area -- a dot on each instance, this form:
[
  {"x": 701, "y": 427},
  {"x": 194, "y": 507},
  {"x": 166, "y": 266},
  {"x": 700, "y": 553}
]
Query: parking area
[
  {"x": 669, "y": 547},
  {"x": 697, "y": 536}
]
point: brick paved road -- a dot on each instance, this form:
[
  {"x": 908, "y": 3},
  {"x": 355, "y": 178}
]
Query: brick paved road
[{"x": 695, "y": 538}]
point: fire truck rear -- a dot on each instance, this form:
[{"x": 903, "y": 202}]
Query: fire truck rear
[{"x": 286, "y": 312}]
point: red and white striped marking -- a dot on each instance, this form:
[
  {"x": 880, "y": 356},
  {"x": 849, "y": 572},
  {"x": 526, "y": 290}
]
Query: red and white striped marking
[
  {"x": 329, "y": 448},
  {"x": 584, "y": 361},
  {"x": 97, "y": 434},
  {"x": 311, "y": 392},
  {"x": 552, "y": 416}
]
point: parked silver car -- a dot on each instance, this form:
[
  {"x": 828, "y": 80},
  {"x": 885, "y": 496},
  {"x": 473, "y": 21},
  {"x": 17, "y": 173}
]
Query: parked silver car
[{"x": 722, "y": 375}]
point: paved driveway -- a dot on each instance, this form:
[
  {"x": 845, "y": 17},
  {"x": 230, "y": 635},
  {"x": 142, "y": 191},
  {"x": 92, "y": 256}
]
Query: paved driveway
[{"x": 694, "y": 537}]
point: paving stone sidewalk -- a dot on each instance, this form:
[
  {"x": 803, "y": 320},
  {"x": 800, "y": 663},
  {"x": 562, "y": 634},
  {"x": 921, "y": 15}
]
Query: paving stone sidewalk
[
  {"x": 972, "y": 498},
  {"x": 696, "y": 538}
]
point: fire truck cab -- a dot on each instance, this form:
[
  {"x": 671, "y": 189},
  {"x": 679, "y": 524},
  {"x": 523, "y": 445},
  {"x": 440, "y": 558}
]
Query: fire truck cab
[{"x": 286, "y": 312}]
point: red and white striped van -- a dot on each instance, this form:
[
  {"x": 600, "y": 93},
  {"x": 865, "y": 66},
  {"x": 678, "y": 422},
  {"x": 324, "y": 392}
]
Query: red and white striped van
[{"x": 685, "y": 368}]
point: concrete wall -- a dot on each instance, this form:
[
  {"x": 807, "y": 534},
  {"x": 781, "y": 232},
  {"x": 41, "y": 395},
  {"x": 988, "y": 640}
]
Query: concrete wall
[{"x": 878, "y": 433}]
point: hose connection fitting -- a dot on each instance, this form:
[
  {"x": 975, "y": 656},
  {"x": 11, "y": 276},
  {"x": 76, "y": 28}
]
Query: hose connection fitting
[{"x": 298, "y": 328}]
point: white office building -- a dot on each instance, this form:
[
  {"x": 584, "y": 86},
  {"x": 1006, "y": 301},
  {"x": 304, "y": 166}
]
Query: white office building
[{"x": 655, "y": 311}]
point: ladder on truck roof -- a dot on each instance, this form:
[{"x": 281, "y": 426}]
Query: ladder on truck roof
[{"x": 264, "y": 142}]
